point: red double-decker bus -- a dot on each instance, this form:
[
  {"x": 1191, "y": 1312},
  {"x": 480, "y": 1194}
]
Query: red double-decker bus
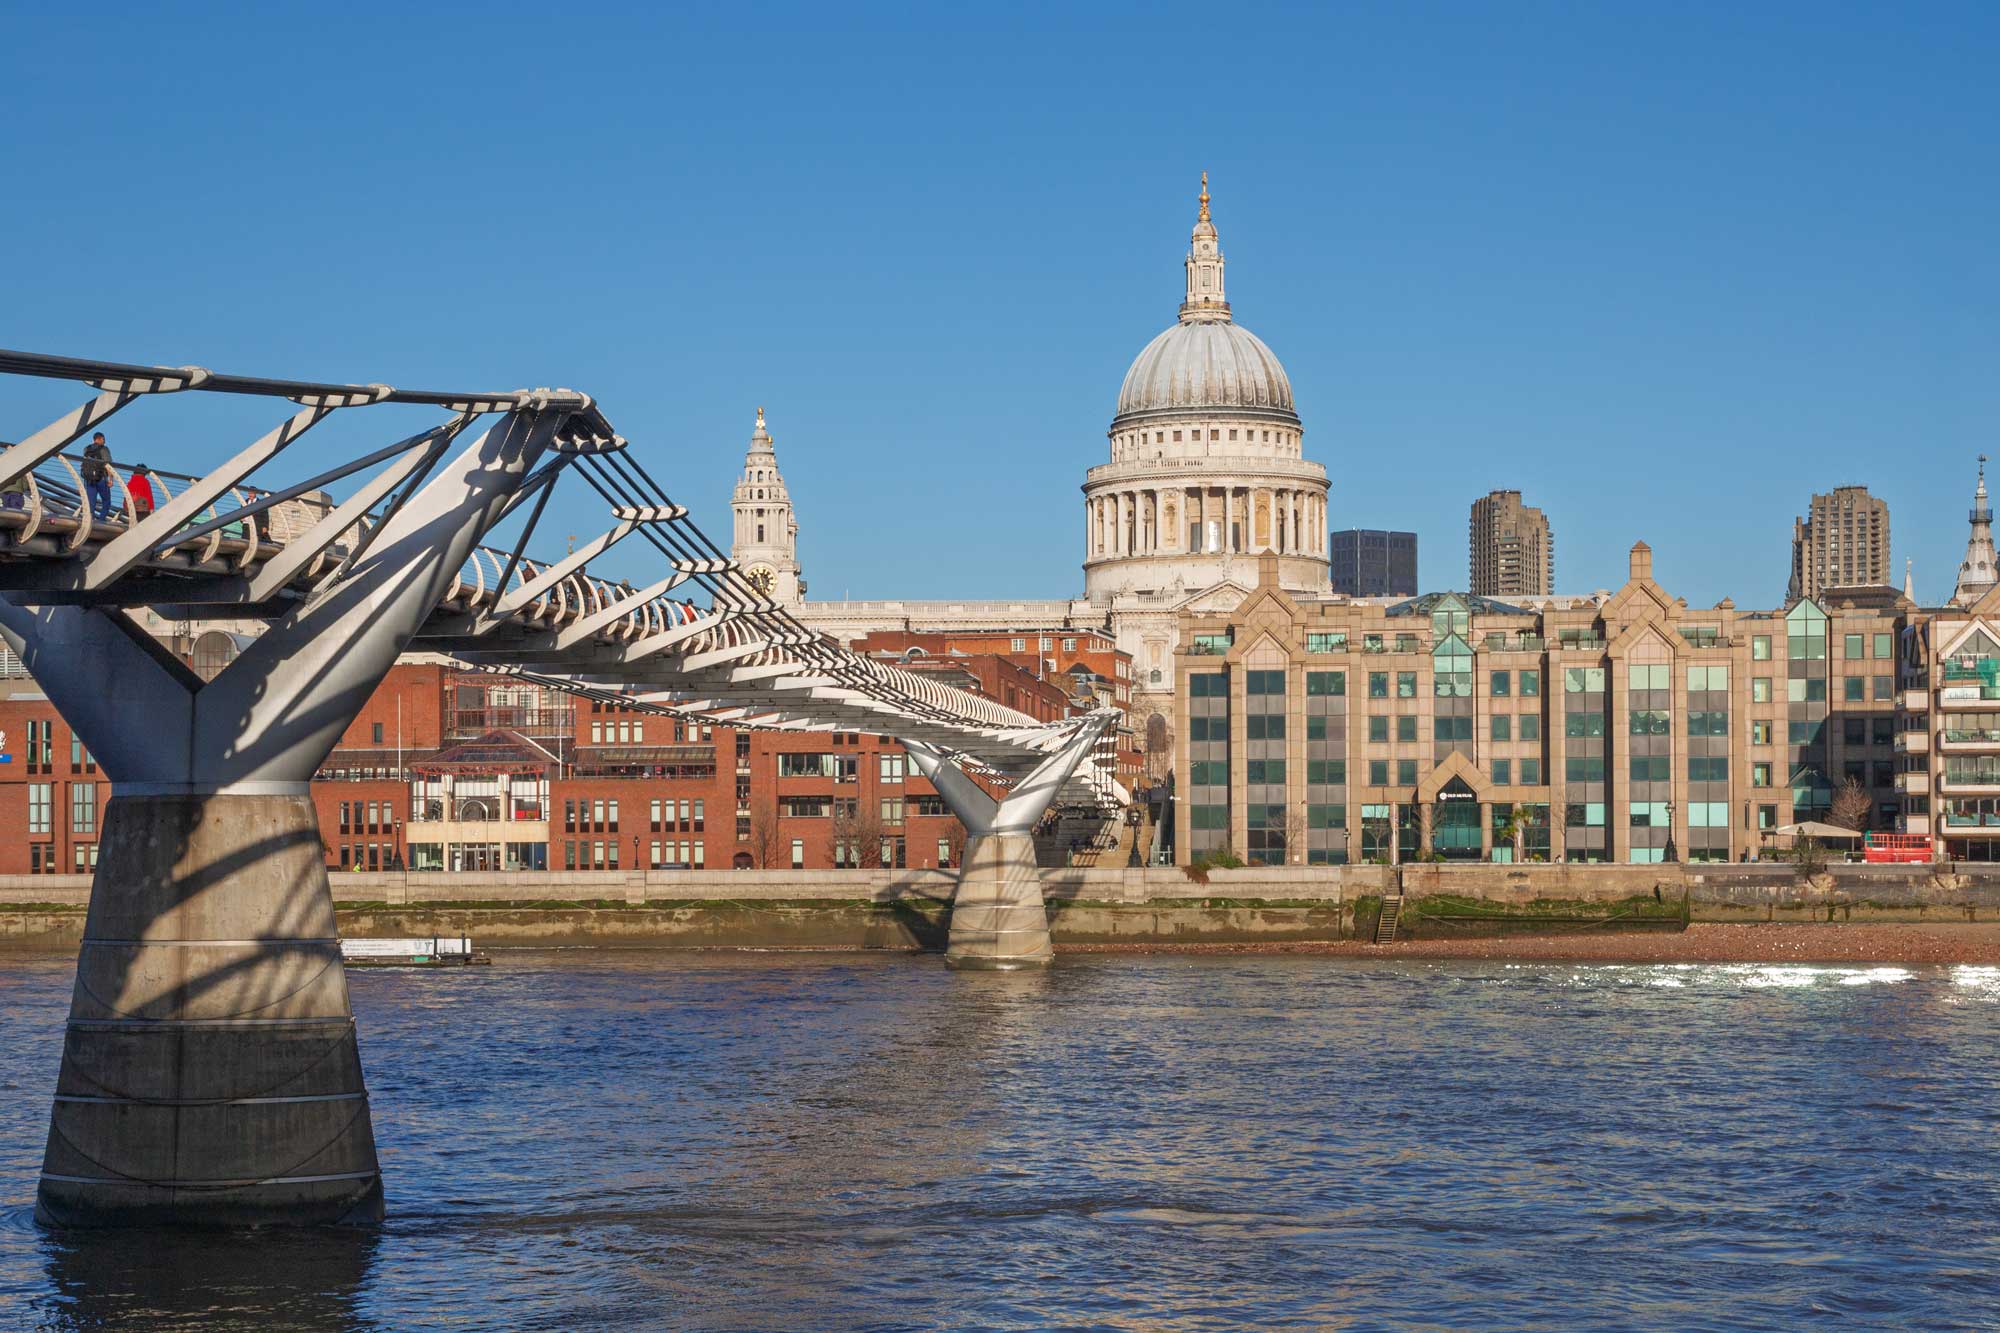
[{"x": 1894, "y": 847}]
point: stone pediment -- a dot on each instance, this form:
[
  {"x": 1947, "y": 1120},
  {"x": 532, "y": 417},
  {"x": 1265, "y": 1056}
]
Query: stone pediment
[
  {"x": 1217, "y": 599},
  {"x": 1633, "y": 640},
  {"x": 1455, "y": 765}
]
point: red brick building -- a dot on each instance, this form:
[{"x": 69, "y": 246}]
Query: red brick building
[{"x": 445, "y": 769}]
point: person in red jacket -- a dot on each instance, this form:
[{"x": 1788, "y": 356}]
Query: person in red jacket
[{"x": 141, "y": 487}]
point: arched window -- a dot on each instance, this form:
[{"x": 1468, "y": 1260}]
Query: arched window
[{"x": 213, "y": 651}]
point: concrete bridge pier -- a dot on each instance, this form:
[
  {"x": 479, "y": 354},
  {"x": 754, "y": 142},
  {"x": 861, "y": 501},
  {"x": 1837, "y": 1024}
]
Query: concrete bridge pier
[
  {"x": 999, "y": 921},
  {"x": 210, "y": 1072}
]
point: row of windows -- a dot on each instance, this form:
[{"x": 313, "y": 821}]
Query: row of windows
[
  {"x": 670, "y": 816},
  {"x": 82, "y": 807},
  {"x": 42, "y": 859},
  {"x": 1809, "y": 643}
]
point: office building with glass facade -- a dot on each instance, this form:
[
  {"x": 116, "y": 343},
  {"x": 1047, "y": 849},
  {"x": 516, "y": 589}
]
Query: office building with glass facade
[{"x": 1617, "y": 727}]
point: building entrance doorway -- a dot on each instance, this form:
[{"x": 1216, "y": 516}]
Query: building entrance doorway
[
  {"x": 475, "y": 856},
  {"x": 1455, "y": 822}
]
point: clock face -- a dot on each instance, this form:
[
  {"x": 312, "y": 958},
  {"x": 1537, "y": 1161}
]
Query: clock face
[{"x": 763, "y": 578}]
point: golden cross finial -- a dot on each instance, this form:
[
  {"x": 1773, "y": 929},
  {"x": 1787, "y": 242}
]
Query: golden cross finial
[{"x": 1204, "y": 196}]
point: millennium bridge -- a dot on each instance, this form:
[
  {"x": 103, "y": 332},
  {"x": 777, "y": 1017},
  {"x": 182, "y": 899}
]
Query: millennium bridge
[{"x": 210, "y": 1071}]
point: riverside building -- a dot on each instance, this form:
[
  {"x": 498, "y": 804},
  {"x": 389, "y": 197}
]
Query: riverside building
[{"x": 1617, "y": 727}]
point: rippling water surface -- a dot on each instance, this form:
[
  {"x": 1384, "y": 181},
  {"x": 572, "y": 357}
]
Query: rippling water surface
[{"x": 631, "y": 1140}]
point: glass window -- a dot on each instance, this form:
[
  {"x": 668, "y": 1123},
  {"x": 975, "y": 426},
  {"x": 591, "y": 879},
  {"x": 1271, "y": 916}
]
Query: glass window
[
  {"x": 1531, "y": 772},
  {"x": 1854, "y": 689},
  {"x": 1649, "y": 676},
  {"x": 1503, "y": 727},
  {"x": 1406, "y": 728},
  {"x": 1335, "y": 642},
  {"x": 1712, "y": 722},
  {"x": 1760, "y": 689},
  {"x": 1648, "y": 767},
  {"x": 1883, "y": 646},
  {"x": 1531, "y": 683},
  {"x": 1406, "y": 772},
  {"x": 1850, "y": 645},
  {"x": 1378, "y": 772},
  {"x": 1885, "y": 688},
  {"x": 1708, "y": 678},
  {"x": 1378, "y": 684},
  {"x": 1760, "y": 648},
  {"x": 1406, "y": 684},
  {"x": 1651, "y": 722},
  {"x": 1326, "y": 683},
  {"x": 1502, "y": 773},
  {"x": 1583, "y": 724},
  {"x": 1502, "y": 684},
  {"x": 1378, "y": 728}
]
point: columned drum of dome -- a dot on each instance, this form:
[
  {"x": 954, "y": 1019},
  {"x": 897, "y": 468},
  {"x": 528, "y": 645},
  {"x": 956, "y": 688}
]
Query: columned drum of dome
[{"x": 1207, "y": 469}]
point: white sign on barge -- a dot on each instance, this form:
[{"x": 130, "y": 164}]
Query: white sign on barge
[{"x": 421, "y": 951}]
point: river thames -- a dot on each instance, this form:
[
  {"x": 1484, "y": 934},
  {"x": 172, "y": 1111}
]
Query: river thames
[{"x": 595, "y": 1139}]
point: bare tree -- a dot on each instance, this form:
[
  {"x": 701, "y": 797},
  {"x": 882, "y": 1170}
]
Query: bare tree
[
  {"x": 765, "y": 835},
  {"x": 859, "y": 829},
  {"x": 1296, "y": 836},
  {"x": 954, "y": 840},
  {"x": 1851, "y": 807}
]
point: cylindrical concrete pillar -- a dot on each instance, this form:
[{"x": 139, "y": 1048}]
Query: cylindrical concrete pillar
[
  {"x": 998, "y": 919},
  {"x": 210, "y": 1074}
]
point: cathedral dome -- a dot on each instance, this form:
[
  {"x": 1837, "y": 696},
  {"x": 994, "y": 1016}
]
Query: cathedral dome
[
  {"x": 1206, "y": 363},
  {"x": 1203, "y": 364}
]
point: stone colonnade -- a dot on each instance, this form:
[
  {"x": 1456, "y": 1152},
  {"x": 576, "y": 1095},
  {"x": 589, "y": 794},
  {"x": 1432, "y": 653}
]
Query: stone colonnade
[{"x": 1205, "y": 520}]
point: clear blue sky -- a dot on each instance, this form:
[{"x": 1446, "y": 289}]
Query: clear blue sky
[{"x": 1665, "y": 268}]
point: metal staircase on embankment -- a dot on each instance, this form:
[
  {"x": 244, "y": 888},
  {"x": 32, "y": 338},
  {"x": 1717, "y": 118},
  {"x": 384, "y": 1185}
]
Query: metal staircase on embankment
[{"x": 1392, "y": 914}]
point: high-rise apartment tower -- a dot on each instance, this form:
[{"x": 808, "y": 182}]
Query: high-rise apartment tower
[
  {"x": 1513, "y": 548},
  {"x": 1843, "y": 543}
]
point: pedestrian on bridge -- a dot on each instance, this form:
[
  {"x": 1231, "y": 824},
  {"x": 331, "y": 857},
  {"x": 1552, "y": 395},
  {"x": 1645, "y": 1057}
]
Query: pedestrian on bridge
[
  {"x": 141, "y": 490},
  {"x": 97, "y": 476}
]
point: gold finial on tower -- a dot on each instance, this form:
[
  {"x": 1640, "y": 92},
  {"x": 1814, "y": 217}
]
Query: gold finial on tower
[
  {"x": 760, "y": 417},
  {"x": 1204, "y": 197}
]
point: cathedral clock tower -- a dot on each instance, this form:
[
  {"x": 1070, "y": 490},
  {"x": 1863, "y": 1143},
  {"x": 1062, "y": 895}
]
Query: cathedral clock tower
[{"x": 766, "y": 541}]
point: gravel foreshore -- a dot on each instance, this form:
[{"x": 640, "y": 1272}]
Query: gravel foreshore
[{"x": 1873, "y": 942}]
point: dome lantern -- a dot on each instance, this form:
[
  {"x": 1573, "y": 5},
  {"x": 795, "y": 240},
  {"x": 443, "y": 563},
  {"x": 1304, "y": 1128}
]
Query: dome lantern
[{"x": 1205, "y": 297}]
